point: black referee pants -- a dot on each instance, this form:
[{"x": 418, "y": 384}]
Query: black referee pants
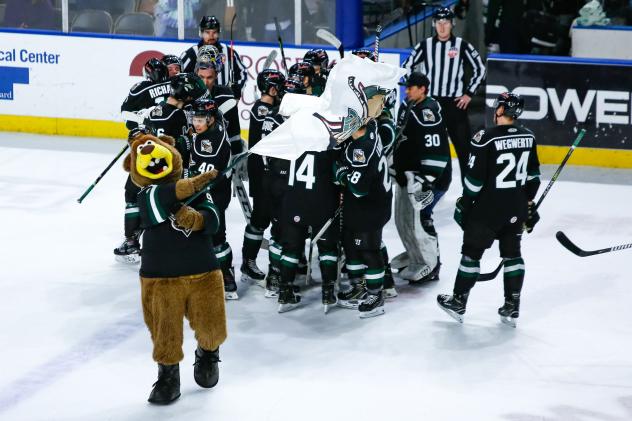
[{"x": 458, "y": 124}]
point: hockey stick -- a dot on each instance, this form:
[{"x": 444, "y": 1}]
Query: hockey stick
[
  {"x": 489, "y": 276},
  {"x": 225, "y": 173},
  {"x": 242, "y": 196},
  {"x": 232, "y": 51},
  {"x": 570, "y": 246},
  {"x": 116, "y": 158},
  {"x": 315, "y": 239},
  {"x": 271, "y": 57},
  {"x": 388, "y": 19},
  {"x": 278, "y": 31},
  {"x": 330, "y": 38}
]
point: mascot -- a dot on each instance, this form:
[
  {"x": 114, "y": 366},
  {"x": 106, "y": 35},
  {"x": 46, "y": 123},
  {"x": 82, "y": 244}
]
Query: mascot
[{"x": 179, "y": 274}]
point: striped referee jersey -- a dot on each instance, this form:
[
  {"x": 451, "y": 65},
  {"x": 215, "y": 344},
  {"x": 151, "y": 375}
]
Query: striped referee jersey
[
  {"x": 240, "y": 73},
  {"x": 443, "y": 63}
]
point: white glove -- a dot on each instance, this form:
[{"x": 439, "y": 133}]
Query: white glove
[{"x": 416, "y": 194}]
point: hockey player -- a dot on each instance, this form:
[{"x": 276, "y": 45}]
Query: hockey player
[
  {"x": 319, "y": 60},
  {"x": 423, "y": 172},
  {"x": 270, "y": 83},
  {"x": 173, "y": 63},
  {"x": 143, "y": 95},
  {"x": 275, "y": 183},
  {"x": 208, "y": 71},
  {"x": 363, "y": 170},
  {"x": 304, "y": 71},
  {"x": 234, "y": 71},
  {"x": 497, "y": 203},
  {"x": 210, "y": 150}
]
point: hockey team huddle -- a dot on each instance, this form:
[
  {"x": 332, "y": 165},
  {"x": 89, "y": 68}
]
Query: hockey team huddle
[{"x": 341, "y": 198}]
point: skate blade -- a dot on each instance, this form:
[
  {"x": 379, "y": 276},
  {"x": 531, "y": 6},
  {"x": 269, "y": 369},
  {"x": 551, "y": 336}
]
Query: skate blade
[
  {"x": 252, "y": 281},
  {"x": 390, "y": 293},
  {"x": 231, "y": 296},
  {"x": 349, "y": 304},
  {"x": 327, "y": 307},
  {"x": 509, "y": 321},
  {"x": 129, "y": 258},
  {"x": 456, "y": 316},
  {"x": 284, "y": 308},
  {"x": 271, "y": 293},
  {"x": 373, "y": 313}
]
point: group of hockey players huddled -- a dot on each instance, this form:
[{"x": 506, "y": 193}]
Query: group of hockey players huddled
[{"x": 341, "y": 198}]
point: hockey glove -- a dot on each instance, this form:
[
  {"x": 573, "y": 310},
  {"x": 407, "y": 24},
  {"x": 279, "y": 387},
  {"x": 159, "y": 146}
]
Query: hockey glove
[
  {"x": 462, "y": 210},
  {"x": 189, "y": 219},
  {"x": 189, "y": 186},
  {"x": 419, "y": 191},
  {"x": 341, "y": 173},
  {"x": 532, "y": 218}
]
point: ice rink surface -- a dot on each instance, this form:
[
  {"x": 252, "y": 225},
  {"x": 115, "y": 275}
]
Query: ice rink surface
[{"x": 73, "y": 345}]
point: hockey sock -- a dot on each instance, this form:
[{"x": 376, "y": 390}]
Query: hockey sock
[
  {"x": 328, "y": 265},
  {"x": 274, "y": 254},
  {"x": 252, "y": 242},
  {"x": 224, "y": 255},
  {"x": 132, "y": 219},
  {"x": 355, "y": 268},
  {"x": 374, "y": 280},
  {"x": 466, "y": 276},
  {"x": 513, "y": 276},
  {"x": 289, "y": 265}
]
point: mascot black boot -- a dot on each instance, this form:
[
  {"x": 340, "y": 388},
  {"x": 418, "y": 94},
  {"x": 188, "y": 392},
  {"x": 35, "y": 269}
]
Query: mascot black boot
[
  {"x": 167, "y": 388},
  {"x": 206, "y": 371}
]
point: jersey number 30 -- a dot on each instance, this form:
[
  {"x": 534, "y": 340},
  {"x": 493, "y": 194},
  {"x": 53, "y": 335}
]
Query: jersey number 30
[{"x": 504, "y": 179}]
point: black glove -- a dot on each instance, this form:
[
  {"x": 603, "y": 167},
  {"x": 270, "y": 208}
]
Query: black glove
[
  {"x": 532, "y": 217},
  {"x": 462, "y": 211},
  {"x": 341, "y": 172}
]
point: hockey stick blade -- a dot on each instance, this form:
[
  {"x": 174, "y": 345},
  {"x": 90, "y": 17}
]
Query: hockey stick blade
[
  {"x": 570, "y": 246},
  {"x": 484, "y": 277},
  {"x": 227, "y": 106},
  {"x": 271, "y": 57},
  {"x": 328, "y": 37}
]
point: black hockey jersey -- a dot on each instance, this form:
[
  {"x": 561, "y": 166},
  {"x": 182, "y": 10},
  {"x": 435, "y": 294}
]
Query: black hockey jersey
[
  {"x": 167, "y": 250},
  {"x": 211, "y": 150},
  {"x": 143, "y": 95},
  {"x": 220, "y": 94},
  {"x": 503, "y": 174},
  {"x": 311, "y": 197},
  {"x": 258, "y": 113},
  {"x": 424, "y": 147},
  {"x": 386, "y": 131},
  {"x": 368, "y": 191},
  {"x": 275, "y": 169}
]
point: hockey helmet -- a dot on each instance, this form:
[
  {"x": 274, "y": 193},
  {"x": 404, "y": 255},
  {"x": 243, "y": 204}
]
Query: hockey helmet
[
  {"x": 269, "y": 78},
  {"x": 293, "y": 85},
  {"x": 205, "y": 108},
  {"x": 188, "y": 87},
  {"x": 209, "y": 22},
  {"x": 364, "y": 53},
  {"x": 512, "y": 104},
  {"x": 155, "y": 70},
  {"x": 443, "y": 13},
  {"x": 209, "y": 57},
  {"x": 317, "y": 57},
  {"x": 302, "y": 69}
]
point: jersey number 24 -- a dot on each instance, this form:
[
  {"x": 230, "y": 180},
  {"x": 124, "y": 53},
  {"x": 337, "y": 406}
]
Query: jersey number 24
[{"x": 504, "y": 180}]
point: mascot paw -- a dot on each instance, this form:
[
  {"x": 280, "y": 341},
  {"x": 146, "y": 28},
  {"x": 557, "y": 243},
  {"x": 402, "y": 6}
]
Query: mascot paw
[
  {"x": 190, "y": 219},
  {"x": 189, "y": 186}
]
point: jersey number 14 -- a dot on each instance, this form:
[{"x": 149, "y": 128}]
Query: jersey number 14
[
  {"x": 504, "y": 180},
  {"x": 305, "y": 172}
]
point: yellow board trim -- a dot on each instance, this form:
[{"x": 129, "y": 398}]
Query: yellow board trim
[{"x": 598, "y": 157}]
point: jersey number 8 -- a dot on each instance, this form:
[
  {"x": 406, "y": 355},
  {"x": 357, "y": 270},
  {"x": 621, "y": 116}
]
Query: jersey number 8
[{"x": 502, "y": 181}]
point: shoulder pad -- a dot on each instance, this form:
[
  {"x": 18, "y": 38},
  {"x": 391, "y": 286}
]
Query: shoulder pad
[
  {"x": 262, "y": 110},
  {"x": 157, "y": 111},
  {"x": 478, "y": 137},
  {"x": 221, "y": 90},
  {"x": 139, "y": 86}
]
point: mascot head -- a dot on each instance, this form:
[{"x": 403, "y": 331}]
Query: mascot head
[{"x": 153, "y": 160}]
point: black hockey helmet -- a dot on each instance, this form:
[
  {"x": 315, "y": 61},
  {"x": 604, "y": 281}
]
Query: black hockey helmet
[
  {"x": 302, "y": 69},
  {"x": 140, "y": 130},
  {"x": 294, "y": 85},
  {"x": 269, "y": 78},
  {"x": 155, "y": 70},
  {"x": 171, "y": 59},
  {"x": 512, "y": 104},
  {"x": 443, "y": 13},
  {"x": 209, "y": 22},
  {"x": 317, "y": 57},
  {"x": 205, "y": 108},
  {"x": 364, "y": 53},
  {"x": 188, "y": 87}
]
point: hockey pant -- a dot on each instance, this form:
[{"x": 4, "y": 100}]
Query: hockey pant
[
  {"x": 363, "y": 252},
  {"x": 132, "y": 215},
  {"x": 167, "y": 301},
  {"x": 421, "y": 243},
  {"x": 293, "y": 238},
  {"x": 457, "y": 123},
  {"x": 476, "y": 239}
]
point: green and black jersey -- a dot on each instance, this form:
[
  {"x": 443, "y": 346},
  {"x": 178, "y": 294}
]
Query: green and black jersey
[{"x": 168, "y": 250}]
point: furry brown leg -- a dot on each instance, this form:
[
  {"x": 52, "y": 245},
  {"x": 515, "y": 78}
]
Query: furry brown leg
[{"x": 205, "y": 310}]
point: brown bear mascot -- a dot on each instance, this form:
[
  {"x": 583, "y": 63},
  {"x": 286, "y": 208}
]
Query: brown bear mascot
[{"x": 179, "y": 274}]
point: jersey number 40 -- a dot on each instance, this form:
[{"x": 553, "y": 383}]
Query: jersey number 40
[{"x": 504, "y": 180}]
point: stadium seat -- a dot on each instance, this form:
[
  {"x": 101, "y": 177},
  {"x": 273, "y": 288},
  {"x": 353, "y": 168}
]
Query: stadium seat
[
  {"x": 120, "y": 7},
  {"x": 98, "y": 21},
  {"x": 135, "y": 24}
]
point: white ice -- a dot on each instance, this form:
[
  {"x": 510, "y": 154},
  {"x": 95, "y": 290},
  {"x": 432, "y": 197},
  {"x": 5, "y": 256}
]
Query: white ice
[{"x": 73, "y": 345}]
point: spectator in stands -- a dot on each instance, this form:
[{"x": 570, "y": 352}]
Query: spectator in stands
[
  {"x": 508, "y": 35},
  {"x": 166, "y": 13},
  {"x": 32, "y": 14}
]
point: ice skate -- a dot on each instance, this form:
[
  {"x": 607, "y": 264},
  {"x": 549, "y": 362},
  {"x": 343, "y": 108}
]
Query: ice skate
[
  {"x": 230, "y": 286},
  {"x": 272, "y": 283},
  {"x": 206, "y": 370},
  {"x": 454, "y": 305},
  {"x": 329, "y": 296},
  {"x": 351, "y": 299},
  {"x": 415, "y": 272},
  {"x": 510, "y": 311},
  {"x": 167, "y": 388},
  {"x": 128, "y": 251},
  {"x": 389, "y": 284},
  {"x": 372, "y": 306},
  {"x": 288, "y": 300},
  {"x": 251, "y": 273}
]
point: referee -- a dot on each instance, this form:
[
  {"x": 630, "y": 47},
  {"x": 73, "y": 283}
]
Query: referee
[{"x": 442, "y": 58}]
